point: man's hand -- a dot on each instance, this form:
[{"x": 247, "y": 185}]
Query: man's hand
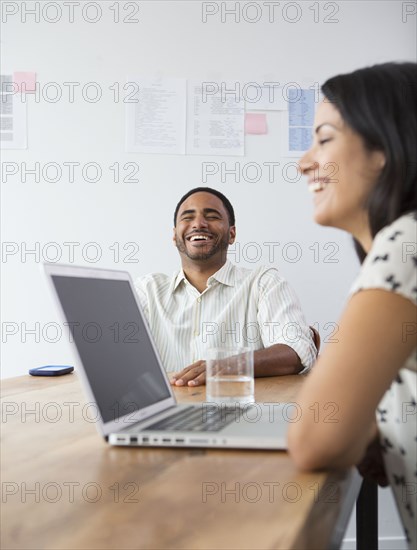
[{"x": 193, "y": 375}]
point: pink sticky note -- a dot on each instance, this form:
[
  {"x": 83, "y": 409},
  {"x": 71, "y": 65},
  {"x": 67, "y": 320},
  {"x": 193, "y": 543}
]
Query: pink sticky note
[
  {"x": 255, "y": 123},
  {"x": 26, "y": 82}
]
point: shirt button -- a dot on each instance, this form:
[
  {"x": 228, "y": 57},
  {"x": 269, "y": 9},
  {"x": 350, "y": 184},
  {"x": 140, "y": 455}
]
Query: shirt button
[{"x": 199, "y": 300}]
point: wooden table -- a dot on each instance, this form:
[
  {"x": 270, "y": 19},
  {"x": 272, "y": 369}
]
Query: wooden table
[{"x": 63, "y": 487}]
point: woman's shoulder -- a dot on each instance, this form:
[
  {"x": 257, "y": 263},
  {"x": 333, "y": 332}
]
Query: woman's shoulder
[
  {"x": 391, "y": 264},
  {"x": 395, "y": 245},
  {"x": 403, "y": 229}
]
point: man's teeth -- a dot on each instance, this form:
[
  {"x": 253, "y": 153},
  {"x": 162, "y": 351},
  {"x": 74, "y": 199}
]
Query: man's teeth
[
  {"x": 199, "y": 238},
  {"x": 317, "y": 186}
]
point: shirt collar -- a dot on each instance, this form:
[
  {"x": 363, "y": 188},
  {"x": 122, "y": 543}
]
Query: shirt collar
[
  {"x": 225, "y": 275},
  {"x": 177, "y": 279}
]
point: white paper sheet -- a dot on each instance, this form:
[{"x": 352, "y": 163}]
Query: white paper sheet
[
  {"x": 156, "y": 122},
  {"x": 13, "y": 118},
  {"x": 215, "y": 121},
  {"x": 267, "y": 98}
]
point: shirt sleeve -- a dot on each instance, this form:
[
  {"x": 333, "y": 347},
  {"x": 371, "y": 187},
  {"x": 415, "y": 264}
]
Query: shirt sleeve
[
  {"x": 391, "y": 263},
  {"x": 140, "y": 287},
  {"x": 281, "y": 319}
]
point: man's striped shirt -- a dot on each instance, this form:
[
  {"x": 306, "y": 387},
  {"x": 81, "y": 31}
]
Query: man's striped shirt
[{"x": 239, "y": 308}]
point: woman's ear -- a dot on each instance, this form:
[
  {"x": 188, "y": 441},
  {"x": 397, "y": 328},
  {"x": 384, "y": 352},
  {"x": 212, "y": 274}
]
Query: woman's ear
[{"x": 380, "y": 159}]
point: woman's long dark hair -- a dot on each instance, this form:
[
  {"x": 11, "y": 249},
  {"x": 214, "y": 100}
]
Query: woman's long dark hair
[{"x": 380, "y": 104}]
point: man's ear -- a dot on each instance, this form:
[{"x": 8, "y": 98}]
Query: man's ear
[
  {"x": 232, "y": 234},
  {"x": 174, "y": 234}
]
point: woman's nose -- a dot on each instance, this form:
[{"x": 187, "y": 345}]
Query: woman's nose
[{"x": 306, "y": 163}]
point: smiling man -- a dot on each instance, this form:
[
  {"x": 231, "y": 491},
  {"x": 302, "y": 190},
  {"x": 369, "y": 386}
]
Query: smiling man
[{"x": 212, "y": 303}]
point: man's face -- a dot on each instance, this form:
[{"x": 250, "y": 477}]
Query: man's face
[{"x": 203, "y": 231}]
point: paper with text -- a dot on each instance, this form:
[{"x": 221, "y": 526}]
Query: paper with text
[
  {"x": 215, "y": 121},
  {"x": 155, "y": 116},
  {"x": 298, "y": 129},
  {"x": 13, "y": 117}
]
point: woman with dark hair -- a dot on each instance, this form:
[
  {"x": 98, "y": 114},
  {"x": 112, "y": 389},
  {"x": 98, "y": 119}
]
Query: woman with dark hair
[{"x": 362, "y": 171}]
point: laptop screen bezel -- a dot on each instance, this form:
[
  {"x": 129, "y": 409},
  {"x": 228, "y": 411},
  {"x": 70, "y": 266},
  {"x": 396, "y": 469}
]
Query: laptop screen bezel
[{"x": 127, "y": 420}]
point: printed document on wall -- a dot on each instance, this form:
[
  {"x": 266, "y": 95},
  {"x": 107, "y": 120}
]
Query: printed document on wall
[
  {"x": 215, "y": 119},
  {"x": 298, "y": 129},
  {"x": 13, "y": 117},
  {"x": 155, "y": 115}
]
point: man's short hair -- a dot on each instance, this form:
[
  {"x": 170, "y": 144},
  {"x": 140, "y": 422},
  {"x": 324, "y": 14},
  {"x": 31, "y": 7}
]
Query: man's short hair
[{"x": 226, "y": 203}]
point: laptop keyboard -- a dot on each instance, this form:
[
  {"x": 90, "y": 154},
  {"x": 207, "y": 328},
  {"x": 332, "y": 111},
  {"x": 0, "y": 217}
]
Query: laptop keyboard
[{"x": 193, "y": 419}]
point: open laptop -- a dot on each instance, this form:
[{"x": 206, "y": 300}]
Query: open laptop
[{"x": 122, "y": 373}]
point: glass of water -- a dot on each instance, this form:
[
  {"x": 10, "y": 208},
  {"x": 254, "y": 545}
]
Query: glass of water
[{"x": 229, "y": 376}]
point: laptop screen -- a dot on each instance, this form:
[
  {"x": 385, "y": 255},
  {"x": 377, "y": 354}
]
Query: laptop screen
[{"x": 113, "y": 344}]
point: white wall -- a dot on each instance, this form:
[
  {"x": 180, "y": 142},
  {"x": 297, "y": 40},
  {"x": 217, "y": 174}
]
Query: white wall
[{"x": 170, "y": 40}]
